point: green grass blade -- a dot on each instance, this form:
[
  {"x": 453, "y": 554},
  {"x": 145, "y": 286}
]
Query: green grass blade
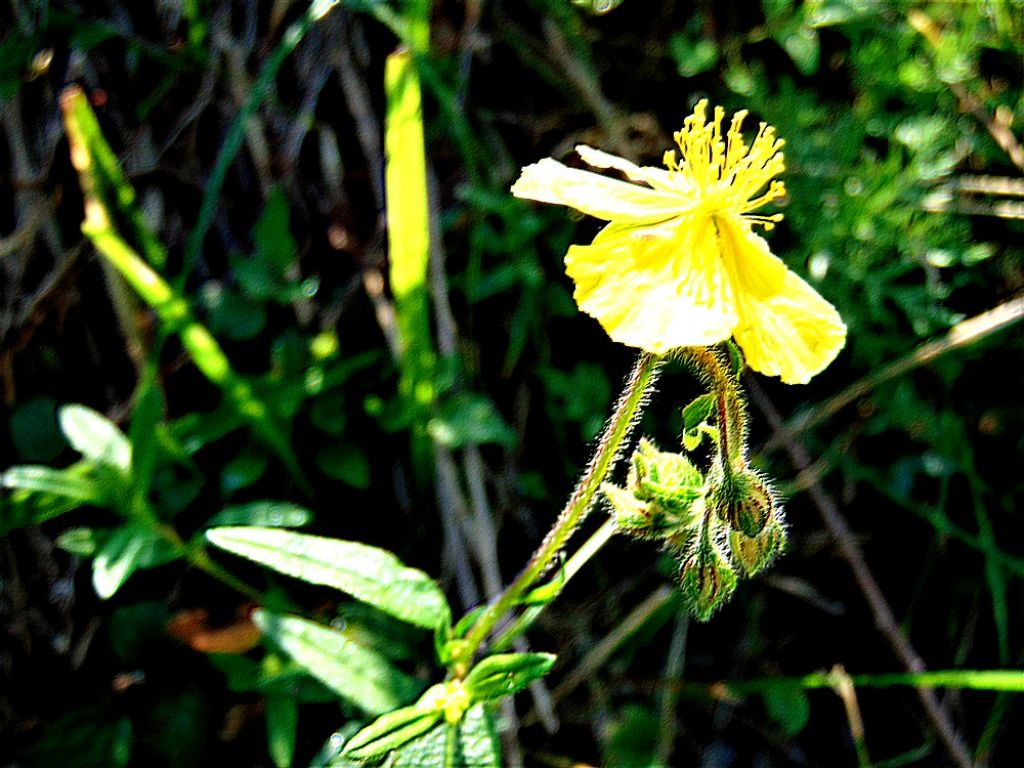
[
  {"x": 109, "y": 184},
  {"x": 405, "y": 181},
  {"x": 968, "y": 679}
]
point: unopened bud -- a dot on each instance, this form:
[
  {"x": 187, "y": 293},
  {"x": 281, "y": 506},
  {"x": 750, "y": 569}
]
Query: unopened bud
[
  {"x": 754, "y": 553},
  {"x": 668, "y": 479},
  {"x": 631, "y": 515},
  {"x": 708, "y": 582},
  {"x": 745, "y": 500}
]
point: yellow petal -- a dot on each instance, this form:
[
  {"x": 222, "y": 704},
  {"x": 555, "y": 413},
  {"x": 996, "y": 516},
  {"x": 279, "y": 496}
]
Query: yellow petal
[
  {"x": 785, "y": 328},
  {"x": 655, "y": 287},
  {"x": 658, "y": 178},
  {"x": 549, "y": 181}
]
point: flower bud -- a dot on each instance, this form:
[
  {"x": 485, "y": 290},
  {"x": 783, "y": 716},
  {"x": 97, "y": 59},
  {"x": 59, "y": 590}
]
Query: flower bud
[
  {"x": 631, "y": 515},
  {"x": 745, "y": 500},
  {"x": 753, "y": 554},
  {"x": 668, "y": 479},
  {"x": 708, "y": 581}
]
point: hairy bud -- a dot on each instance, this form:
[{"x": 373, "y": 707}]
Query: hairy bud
[
  {"x": 754, "y": 553},
  {"x": 707, "y": 581},
  {"x": 743, "y": 499}
]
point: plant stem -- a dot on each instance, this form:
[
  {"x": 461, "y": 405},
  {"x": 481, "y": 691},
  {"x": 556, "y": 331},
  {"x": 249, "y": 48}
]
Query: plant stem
[
  {"x": 590, "y": 547},
  {"x": 623, "y": 418},
  {"x": 732, "y": 425}
]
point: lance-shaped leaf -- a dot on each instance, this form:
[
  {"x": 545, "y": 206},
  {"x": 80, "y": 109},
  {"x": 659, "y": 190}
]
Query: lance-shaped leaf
[
  {"x": 128, "y": 549},
  {"x": 372, "y": 575},
  {"x": 355, "y": 673},
  {"x": 397, "y": 728},
  {"x": 472, "y": 743},
  {"x": 504, "y": 674},
  {"x": 70, "y": 483},
  {"x": 270, "y": 514},
  {"x": 96, "y": 437}
]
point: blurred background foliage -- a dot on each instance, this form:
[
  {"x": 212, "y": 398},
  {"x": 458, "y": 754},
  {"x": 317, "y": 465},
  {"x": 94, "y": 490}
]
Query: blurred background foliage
[{"x": 253, "y": 135}]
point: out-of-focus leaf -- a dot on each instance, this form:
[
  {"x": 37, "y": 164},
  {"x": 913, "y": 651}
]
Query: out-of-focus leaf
[
  {"x": 84, "y": 542},
  {"x": 268, "y": 514},
  {"x": 692, "y": 54},
  {"x": 787, "y": 704},
  {"x": 372, "y": 575},
  {"x": 24, "y": 508},
  {"x": 345, "y": 462},
  {"x": 243, "y": 470},
  {"x": 128, "y": 549},
  {"x": 95, "y": 436},
  {"x": 70, "y": 483},
  {"x": 355, "y": 673},
  {"x": 397, "y": 728},
  {"x": 505, "y": 674},
  {"x": 405, "y": 188},
  {"x": 469, "y": 418},
  {"x": 473, "y": 743},
  {"x": 631, "y": 738},
  {"x": 282, "y": 716},
  {"x": 145, "y": 439}
]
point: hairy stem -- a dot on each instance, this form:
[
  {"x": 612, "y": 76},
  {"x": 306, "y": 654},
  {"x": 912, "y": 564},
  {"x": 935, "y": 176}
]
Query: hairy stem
[{"x": 616, "y": 432}]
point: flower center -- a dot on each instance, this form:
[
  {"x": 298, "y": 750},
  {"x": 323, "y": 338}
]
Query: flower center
[{"x": 723, "y": 174}]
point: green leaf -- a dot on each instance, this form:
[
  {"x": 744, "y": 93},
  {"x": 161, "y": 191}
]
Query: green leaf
[
  {"x": 345, "y": 462},
  {"x": 128, "y": 549},
  {"x": 505, "y": 674},
  {"x": 282, "y": 716},
  {"x": 84, "y": 542},
  {"x": 469, "y": 418},
  {"x": 372, "y": 575},
  {"x": 96, "y": 437},
  {"x": 243, "y": 470},
  {"x": 693, "y": 55},
  {"x": 473, "y": 743},
  {"x": 270, "y": 514},
  {"x": 408, "y": 218},
  {"x": 396, "y": 728},
  {"x": 145, "y": 440},
  {"x": 698, "y": 411},
  {"x": 788, "y": 706},
  {"x": 272, "y": 234},
  {"x": 352, "y": 671},
  {"x": 69, "y": 483},
  {"x": 24, "y": 508},
  {"x": 692, "y": 438}
]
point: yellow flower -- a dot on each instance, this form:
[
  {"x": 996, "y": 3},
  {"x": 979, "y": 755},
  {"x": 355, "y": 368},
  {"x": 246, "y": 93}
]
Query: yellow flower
[{"x": 679, "y": 263}]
